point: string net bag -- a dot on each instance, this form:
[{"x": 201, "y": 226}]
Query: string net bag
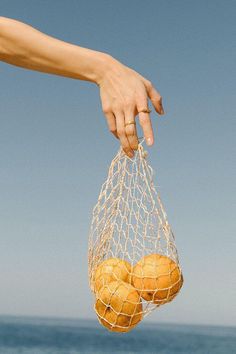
[{"x": 133, "y": 262}]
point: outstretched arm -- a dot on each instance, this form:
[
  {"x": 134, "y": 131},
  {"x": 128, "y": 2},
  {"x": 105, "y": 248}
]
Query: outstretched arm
[
  {"x": 123, "y": 91},
  {"x": 25, "y": 46}
]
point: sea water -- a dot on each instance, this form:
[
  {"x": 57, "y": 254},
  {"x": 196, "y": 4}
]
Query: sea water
[{"x": 28, "y": 335}]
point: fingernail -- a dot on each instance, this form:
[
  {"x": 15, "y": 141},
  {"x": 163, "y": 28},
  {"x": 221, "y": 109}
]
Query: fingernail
[
  {"x": 149, "y": 141},
  {"x": 161, "y": 105}
]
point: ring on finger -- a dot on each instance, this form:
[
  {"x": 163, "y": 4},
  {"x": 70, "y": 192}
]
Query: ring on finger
[
  {"x": 130, "y": 122},
  {"x": 145, "y": 110}
]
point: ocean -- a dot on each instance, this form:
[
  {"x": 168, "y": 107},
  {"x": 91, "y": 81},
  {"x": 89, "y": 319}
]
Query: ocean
[{"x": 28, "y": 335}]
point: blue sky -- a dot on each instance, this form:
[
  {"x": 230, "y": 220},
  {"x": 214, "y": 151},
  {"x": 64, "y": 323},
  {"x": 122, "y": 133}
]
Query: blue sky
[{"x": 55, "y": 150}]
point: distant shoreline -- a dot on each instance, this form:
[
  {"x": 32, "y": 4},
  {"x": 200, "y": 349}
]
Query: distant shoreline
[{"x": 87, "y": 322}]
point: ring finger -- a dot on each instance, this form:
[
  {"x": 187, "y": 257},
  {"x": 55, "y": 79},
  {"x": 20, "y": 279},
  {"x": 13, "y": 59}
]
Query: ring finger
[
  {"x": 130, "y": 129},
  {"x": 120, "y": 125}
]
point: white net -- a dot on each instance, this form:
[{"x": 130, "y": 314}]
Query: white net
[{"x": 133, "y": 260}]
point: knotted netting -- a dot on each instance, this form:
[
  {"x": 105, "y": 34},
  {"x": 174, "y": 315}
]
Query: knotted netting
[{"x": 133, "y": 260}]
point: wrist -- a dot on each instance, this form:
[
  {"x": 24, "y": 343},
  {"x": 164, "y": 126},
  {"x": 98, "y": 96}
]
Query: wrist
[
  {"x": 91, "y": 65},
  {"x": 103, "y": 65}
]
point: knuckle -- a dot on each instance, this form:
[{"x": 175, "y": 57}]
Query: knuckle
[
  {"x": 112, "y": 130},
  {"x": 121, "y": 132},
  {"x": 141, "y": 96},
  {"x": 106, "y": 109},
  {"x": 130, "y": 132},
  {"x": 149, "y": 84},
  {"x": 142, "y": 100},
  {"x": 116, "y": 106}
]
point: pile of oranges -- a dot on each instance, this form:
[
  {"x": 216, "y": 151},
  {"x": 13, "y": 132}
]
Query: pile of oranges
[{"x": 122, "y": 289}]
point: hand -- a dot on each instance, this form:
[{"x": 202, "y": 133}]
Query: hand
[{"x": 124, "y": 93}]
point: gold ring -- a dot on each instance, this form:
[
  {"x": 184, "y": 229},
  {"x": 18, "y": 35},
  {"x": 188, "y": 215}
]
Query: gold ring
[
  {"x": 145, "y": 110},
  {"x": 130, "y": 122}
]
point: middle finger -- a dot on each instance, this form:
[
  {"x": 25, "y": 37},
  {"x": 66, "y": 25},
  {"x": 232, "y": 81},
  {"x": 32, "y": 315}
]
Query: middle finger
[{"x": 146, "y": 124}]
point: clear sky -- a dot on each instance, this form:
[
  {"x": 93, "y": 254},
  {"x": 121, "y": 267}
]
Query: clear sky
[{"x": 55, "y": 150}]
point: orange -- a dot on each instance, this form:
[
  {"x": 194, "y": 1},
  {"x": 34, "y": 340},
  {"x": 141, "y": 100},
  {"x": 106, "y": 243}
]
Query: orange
[
  {"x": 157, "y": 278},
  {"x": 118, "y": 306},
  {"x": 110, "y": 270}
]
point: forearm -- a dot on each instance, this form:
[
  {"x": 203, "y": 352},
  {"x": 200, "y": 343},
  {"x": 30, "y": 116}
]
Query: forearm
[{"x": 24, "y": 46}]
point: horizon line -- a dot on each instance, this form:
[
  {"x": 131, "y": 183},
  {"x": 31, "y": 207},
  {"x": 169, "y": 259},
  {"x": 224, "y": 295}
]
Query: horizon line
[{"x": 73, "y": 319}]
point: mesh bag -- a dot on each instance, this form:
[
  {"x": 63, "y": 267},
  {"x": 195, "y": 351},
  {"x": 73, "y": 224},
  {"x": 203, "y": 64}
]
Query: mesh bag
[{"x": 133, "y": 260}]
